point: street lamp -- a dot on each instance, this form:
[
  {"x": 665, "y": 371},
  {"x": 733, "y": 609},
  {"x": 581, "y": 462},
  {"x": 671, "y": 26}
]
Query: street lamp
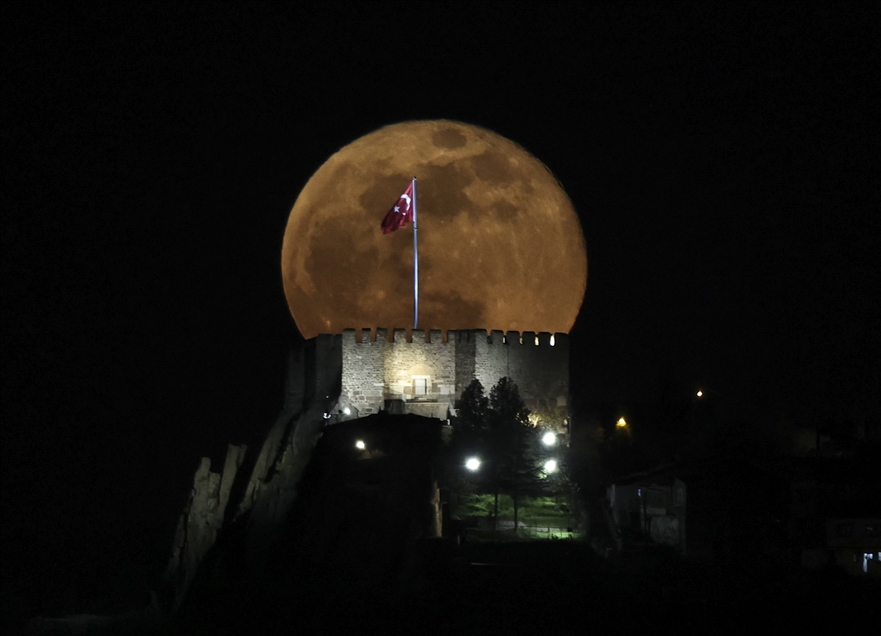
[
  {"x": 549, "y": 438},
  {"x": 621, "y": 423},
  {"x": 704, "y": 392},
  {"x": 360, "y": 445},
  {"x": 551, "y": 466},
  {"x": 472, "y": 464}
]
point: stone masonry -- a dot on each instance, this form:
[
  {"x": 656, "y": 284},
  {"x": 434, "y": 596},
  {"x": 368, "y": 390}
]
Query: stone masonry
[{"x": 427, "y": 371}]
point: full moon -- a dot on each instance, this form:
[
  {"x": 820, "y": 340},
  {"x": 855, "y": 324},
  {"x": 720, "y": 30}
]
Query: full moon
[{"x": 500, "y": 245}]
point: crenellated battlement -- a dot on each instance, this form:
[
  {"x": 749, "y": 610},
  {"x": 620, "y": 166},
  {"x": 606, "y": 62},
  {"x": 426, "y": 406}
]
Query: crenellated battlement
[
  {"x": 425, "y": 370},
  {"x": 399, "y": 336},
  {"x": 438, "y": 336}
]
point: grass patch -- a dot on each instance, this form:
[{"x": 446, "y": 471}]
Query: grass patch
[{"x": 539, "y": 518}]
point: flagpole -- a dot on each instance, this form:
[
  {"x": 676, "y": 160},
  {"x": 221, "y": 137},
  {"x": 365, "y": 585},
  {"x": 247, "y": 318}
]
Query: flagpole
[{"x": 415, "y": 263}]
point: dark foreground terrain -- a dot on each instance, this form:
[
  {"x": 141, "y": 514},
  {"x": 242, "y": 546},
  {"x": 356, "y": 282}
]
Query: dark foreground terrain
[{"x": 514, "y": 588}]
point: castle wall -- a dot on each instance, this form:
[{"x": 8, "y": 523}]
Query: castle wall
[
  {"x": 363, "y": 376},
  {"x": 425, "y": 369},
  {"x": 540, "y": 369},
  {"x": 422, "y": 358},
  {"x": 466, "y": 349}
]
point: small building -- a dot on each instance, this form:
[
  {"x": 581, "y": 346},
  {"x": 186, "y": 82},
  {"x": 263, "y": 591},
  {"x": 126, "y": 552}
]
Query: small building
[
  {"x": 834, "y": 514},
  {"x": 689, "y": 508},
  {"x": 855, "y": 544},
  {"x": 648, "y": 507}
]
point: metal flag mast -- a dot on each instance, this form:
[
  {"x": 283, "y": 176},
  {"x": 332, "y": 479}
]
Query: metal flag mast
[{"x": 415, "y": 262}]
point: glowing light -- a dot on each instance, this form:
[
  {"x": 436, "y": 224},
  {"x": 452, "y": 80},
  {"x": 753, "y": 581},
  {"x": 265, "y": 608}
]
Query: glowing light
[
  {"x": 472, "y": 464},
  {"x": 700, "y": 393},
  {"x": 347, "y": 411},
  {"x": 621, "y": 423},
  {"x": 549, "y": 438},
  {"x": 553, "y": 342},
  {"x": 551, "y": 466},
  {"x": 360, "y": 445}
]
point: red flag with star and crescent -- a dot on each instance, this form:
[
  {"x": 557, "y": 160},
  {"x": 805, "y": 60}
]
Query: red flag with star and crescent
[{"x": 401, "y": 212}]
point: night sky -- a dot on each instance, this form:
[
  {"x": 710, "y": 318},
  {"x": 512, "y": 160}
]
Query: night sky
[{"x": 723, "y": 159}]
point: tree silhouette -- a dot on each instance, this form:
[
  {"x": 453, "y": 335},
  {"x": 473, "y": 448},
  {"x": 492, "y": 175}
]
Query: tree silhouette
[
  {"x": 471, "y": 411},
  {"x": 469, "y": 435},
  {"x": 513, "y": 444},
  {"x": 498, "y": 431}
]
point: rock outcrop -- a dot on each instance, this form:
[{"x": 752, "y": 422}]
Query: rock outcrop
[
  {"x": 255, "y": 503},
  {"x": 201, "y": 520}
]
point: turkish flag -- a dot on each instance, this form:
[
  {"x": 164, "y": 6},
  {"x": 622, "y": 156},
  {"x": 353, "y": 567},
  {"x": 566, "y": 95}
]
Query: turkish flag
[{"x": 401, "y": 212}]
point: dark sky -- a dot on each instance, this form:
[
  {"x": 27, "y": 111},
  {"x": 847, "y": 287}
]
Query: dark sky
[{"x": 723, "y": 159}]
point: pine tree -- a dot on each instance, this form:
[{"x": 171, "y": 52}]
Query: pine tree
[
  {"x": 498, "y": 430},
  {"x": 471, "y": 410},
  {"x": 469, "y": 434},
  {"x": 514, "y": 444}
]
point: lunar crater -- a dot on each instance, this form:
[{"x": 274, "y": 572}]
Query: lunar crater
[
  {"x": 500, "y": 244},
  {"x": 449, "y": 138},
  {"x": 493, "y": 167}
]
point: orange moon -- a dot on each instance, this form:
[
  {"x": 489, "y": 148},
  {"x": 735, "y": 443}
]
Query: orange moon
[{"x": 500, "y": 245}]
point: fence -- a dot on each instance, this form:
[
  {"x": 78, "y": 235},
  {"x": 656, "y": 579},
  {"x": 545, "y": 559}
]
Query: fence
[{"x": 548, "y": 532}]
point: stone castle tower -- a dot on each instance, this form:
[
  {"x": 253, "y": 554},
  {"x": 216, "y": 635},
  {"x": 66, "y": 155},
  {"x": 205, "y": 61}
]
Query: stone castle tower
[{"x": 424, "y": 372}]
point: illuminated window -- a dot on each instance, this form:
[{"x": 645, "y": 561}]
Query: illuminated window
[
  {"x": 536, "y": 341},
  {"x": 420, "y": 386},
  {"x": 552, "y": 340}
]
